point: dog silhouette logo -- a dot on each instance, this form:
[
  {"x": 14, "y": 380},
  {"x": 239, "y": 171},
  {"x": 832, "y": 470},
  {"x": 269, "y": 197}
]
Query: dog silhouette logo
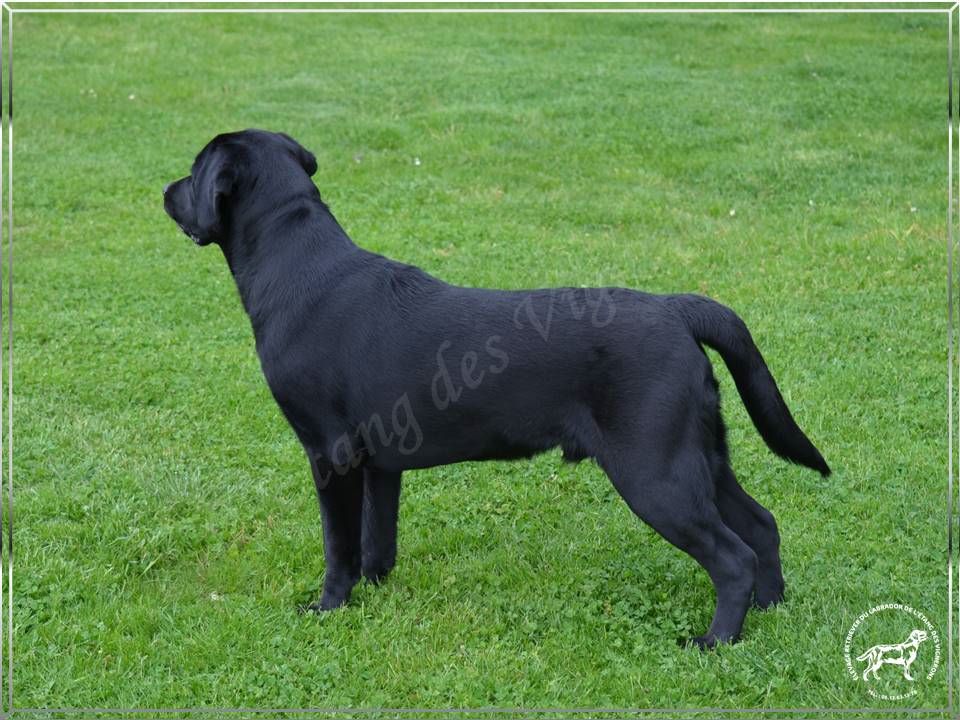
[
  {"x": 885, "y": 622},
  {"x": 902, "y": 654}
]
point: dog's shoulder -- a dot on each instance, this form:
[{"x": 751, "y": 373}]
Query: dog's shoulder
[
  {"x": 409, "y": 279},
  {"x": 400, "y": 287}
]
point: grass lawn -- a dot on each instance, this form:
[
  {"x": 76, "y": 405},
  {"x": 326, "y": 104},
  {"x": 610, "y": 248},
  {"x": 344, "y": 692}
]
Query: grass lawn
[{"x": 166, "y": 525}]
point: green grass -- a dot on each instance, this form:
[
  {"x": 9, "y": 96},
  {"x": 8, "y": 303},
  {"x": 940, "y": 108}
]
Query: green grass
[{"x": 790, "y": 166}]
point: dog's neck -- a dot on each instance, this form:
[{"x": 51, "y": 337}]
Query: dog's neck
[{"x": 275, "y": 262}]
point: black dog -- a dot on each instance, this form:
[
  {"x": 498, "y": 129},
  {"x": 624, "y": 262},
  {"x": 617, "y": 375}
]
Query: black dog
[{"x": 381, "y": 368}]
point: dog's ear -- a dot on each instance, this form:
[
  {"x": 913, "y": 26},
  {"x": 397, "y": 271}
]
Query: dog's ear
[
  {"x": 216, "y": 186},
  {"x": 306, "y": 158}
]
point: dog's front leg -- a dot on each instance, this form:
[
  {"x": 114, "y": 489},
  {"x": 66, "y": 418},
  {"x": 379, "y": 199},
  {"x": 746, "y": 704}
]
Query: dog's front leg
[
  {"x": 341, "y": 501},
  {"x": 381, "y": 503}
]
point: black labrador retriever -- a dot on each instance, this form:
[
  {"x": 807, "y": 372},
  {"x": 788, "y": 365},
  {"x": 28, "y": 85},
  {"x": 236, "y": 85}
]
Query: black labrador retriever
[{"x": 380, "y": 368}]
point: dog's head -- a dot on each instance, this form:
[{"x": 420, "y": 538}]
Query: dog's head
[{"x": 223, "y": 178}]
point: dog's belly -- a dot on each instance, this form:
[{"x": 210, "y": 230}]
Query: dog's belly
[
  {"x": 453, "y": 450},
  {"x": 495, "y": 426}
]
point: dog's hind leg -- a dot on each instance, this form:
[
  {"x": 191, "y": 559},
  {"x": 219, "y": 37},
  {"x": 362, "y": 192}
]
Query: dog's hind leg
[
  {"x": 746, "y": 517},
  {"x": 381, "y": 507},
  {"x": 757, "y": 528},
  {"x": 675, "y": 498},
  {"x": 341, "y": 500}
]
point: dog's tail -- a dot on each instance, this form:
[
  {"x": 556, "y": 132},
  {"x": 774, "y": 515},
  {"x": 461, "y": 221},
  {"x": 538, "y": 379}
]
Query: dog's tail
[{"x": 722, "y": 329}]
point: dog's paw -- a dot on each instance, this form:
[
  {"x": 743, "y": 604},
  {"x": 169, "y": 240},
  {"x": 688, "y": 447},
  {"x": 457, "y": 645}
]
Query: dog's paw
[
  {"x": 377, "y": 563},
  {"x": 705, "y": 642},
  {"x": 377, "y": 573},
  {"x": 701, "y": 642},
  {"x": 766, "y": 598},
  {"x": 319, "y": 607},
  {"x": 325, "y": 604}
]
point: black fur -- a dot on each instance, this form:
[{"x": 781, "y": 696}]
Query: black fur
[{"x": 381, "y": 368}]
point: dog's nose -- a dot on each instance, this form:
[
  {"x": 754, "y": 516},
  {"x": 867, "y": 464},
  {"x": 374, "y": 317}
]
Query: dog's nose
[{"x": 166, "y": 187}]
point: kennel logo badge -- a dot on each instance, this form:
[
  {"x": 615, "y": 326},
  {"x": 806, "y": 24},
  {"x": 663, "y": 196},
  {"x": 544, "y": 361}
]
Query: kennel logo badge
[{"x": 893, "y": 668}]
